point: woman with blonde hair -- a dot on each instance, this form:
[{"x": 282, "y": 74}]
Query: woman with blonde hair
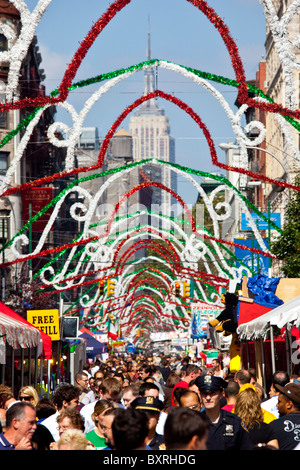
[
  {"x": 29, "y": 394},
  {"x": 74, "y": 439},
  {"x": 96, "y": 436},
  {"x": 248, "y": 408}
]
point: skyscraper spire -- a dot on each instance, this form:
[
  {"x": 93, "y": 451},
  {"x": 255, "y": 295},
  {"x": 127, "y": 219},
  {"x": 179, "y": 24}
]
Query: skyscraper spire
[
  {"x": 149, "y": 40},
  {"x": 149, "y": 74},
  {"x": 150, "y": 106}
]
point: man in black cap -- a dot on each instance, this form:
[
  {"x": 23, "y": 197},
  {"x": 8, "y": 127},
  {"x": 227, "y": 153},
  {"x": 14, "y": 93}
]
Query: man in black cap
[
  {"x": 152, "y": 406},
  {"x": 287, "y": 426},
  {"x": 226, "y": 431}
]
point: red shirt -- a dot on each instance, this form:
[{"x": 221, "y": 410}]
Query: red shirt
[{"x": 228, "y": 407}]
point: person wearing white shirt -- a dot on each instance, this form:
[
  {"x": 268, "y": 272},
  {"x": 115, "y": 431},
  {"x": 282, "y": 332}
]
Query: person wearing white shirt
[
  {"x": 279, "y": 378},
  {"x": 65, "y": 396},
  {"x": 109, "y": 389}
]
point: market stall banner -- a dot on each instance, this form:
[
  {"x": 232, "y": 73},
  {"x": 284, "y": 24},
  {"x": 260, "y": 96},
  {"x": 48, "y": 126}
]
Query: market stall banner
[
  {"x": 19, "y": 333},
  {"x": 201, "y": 315}
]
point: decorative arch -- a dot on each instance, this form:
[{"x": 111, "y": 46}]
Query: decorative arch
[
  {"x": 155, "y": 246},
  {"x": 104, "y": 20},
  {"x": 147, "y": 185}
]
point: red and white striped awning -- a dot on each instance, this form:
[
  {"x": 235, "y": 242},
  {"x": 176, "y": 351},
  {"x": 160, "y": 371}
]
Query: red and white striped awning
[
  {"x": 287, "y": 314},
  {"x": 17, "y": 333}
]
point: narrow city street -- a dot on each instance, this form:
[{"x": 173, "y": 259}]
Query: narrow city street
[{"x": 149, "y": 227}]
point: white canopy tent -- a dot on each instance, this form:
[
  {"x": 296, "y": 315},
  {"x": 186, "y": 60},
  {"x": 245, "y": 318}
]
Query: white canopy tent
[
  {"x": 19, "y": 336},
  {"x": 287, "y": 314},
  {"x": 284, "y": 316}
]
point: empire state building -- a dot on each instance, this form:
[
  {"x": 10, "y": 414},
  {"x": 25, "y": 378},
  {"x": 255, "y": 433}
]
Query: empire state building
[{"x": 150, "y": 130}]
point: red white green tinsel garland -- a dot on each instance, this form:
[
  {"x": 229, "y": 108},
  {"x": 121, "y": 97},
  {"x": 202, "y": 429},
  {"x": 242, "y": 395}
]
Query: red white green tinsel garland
[{"x": 195, "y": 246}]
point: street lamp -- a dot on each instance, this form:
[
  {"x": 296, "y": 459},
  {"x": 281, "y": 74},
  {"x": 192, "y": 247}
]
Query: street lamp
[{"x": 232, "y": 146}]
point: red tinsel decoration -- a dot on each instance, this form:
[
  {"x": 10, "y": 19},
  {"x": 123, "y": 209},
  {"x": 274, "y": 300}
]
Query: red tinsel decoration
[
  {"x": 97, "y": 28},
  {"x": 103, "y": 21},
  {"x": 82, "y": 242},
  {"x": 155, "y": 247},
  {"x": 111, "y": 132}
]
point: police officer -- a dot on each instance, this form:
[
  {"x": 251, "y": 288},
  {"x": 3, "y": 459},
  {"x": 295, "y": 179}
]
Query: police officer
[
  {"x": 152, "y": 406},
  {"x": 226, "y": 431}
]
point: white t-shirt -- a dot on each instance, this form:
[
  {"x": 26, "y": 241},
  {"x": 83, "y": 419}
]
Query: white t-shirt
[
  {"x": 87, "y": 411},
  {"x": 52, "y": 425},
  {"x": 93, "y": 370},
  {"x": 270, "y": 405},
  {"x": 89, "y": 397},
  {"x": 161, "y": 423},
  {"x": 219, "y": 374}
]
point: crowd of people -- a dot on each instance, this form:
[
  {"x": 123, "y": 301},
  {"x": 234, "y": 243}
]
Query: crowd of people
[{"x": 155, "y": 403}]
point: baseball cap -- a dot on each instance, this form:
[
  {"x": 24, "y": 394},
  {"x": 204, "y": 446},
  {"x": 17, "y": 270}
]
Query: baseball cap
[
  {"x": 291, "y": 390},
  {"x": 147, "y": 404},
  {"x": 210, "y": 383}
]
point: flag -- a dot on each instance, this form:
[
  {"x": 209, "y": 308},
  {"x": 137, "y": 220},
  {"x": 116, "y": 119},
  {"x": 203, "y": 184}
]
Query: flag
[
  {"x": 203, "y": 356},
  {"x": 85, "y": 312},
  {"x": 112, "y": 331}
]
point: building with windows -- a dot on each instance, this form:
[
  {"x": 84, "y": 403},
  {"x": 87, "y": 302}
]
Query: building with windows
[
  {"x": 277, "y": 156},
  {"x": 39, "y": 159},
  {"x": 278, "y": 86}
]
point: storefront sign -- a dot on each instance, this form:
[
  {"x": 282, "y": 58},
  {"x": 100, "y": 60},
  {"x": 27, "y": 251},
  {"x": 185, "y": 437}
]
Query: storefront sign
[{"x": 33, "y": 201}]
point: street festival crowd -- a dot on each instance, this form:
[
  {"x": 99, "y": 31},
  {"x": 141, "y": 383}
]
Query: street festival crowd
[{"x": 155, "y": 402}]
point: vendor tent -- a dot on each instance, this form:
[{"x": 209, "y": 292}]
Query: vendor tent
[
  {"x": 20, "y": 340},
  {"x": 250, "y": 310},
  {"x": 286, "y": 314},
  {"x": 93, "y": 346},
  {"x": 19, "y": 333}
]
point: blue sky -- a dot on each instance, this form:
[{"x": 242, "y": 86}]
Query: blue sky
[{"x": 179, "y": 33}]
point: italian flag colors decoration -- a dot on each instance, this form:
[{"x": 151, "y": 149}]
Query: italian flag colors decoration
[{"x": 112, "y": 331}]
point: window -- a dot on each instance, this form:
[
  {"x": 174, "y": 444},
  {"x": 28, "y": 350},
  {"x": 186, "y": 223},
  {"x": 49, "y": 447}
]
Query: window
[
  {"x": 3, "y": 43},
  {"x": 3, "y": 116},
  {"x": 3, "y": 162},
  {"x": 3, "y": 120}
]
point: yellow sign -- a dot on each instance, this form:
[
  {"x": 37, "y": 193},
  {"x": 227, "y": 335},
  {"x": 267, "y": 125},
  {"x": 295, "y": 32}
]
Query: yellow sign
[{"x": 46, "y": 321}]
